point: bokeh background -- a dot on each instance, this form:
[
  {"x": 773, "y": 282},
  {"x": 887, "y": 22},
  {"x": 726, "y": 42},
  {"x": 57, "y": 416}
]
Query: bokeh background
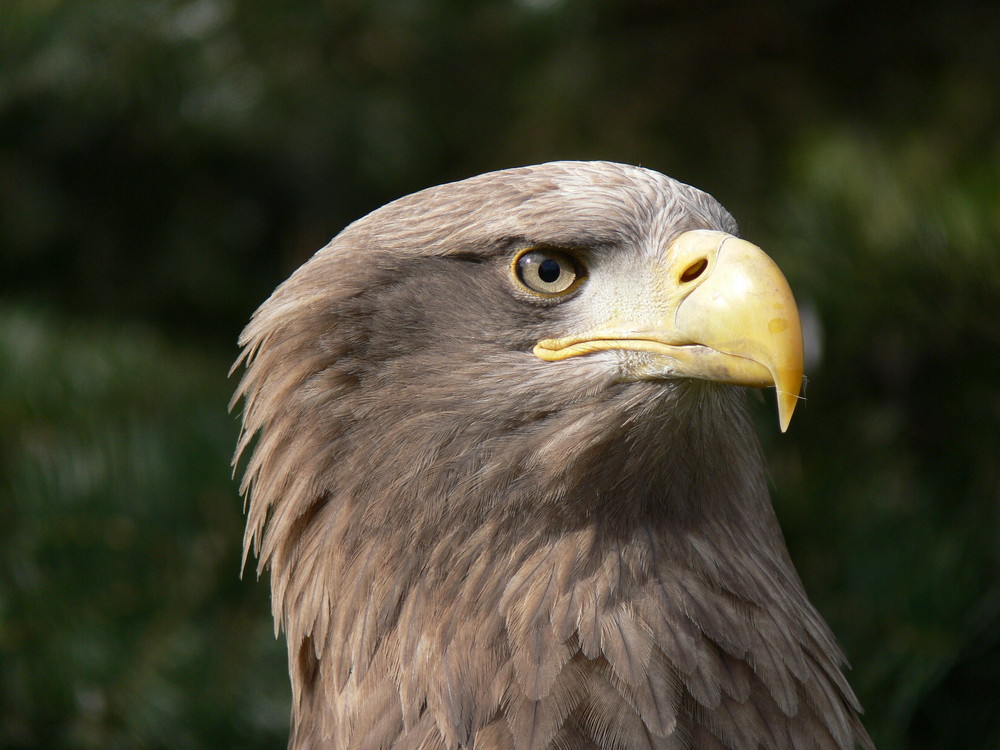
[{"x": 165, "y": 163}]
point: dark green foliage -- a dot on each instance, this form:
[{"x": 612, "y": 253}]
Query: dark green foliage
[
  {"x": 889, "y": 490},
  {"x": 124, "y": 622},
  {"x": 164, "y": 164}
]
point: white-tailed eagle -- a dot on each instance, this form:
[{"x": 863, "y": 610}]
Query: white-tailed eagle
[{"x": 507, "y": 491}]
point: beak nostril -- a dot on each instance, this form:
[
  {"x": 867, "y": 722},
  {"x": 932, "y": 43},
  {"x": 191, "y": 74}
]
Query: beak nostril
[{"x": 695, "y": 270}]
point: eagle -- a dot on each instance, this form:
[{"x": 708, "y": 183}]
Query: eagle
[{"x": 502, "y": 474}]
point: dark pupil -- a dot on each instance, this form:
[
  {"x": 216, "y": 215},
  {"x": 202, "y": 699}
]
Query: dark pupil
[{"x": 548, "y": 270}]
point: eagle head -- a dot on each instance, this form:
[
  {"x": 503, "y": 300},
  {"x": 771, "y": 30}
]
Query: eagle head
[{"x": 507, "y": 490}]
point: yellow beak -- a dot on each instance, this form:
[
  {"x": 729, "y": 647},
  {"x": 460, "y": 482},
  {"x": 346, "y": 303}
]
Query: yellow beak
[{"x": 716, "y": 308}]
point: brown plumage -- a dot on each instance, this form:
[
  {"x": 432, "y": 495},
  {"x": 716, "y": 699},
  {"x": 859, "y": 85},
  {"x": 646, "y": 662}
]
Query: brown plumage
[{"x": 473, "y": 543}]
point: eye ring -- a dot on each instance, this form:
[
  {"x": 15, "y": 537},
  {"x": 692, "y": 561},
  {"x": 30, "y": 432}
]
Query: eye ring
[{"x": 547, "y": 272}]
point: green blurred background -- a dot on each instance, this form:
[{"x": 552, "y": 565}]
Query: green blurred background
[{"x": 165, "y": 163}]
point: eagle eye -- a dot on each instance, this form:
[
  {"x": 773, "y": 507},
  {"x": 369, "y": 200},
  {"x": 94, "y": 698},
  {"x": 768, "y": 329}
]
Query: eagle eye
[{"x": 547, "y": 271}]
